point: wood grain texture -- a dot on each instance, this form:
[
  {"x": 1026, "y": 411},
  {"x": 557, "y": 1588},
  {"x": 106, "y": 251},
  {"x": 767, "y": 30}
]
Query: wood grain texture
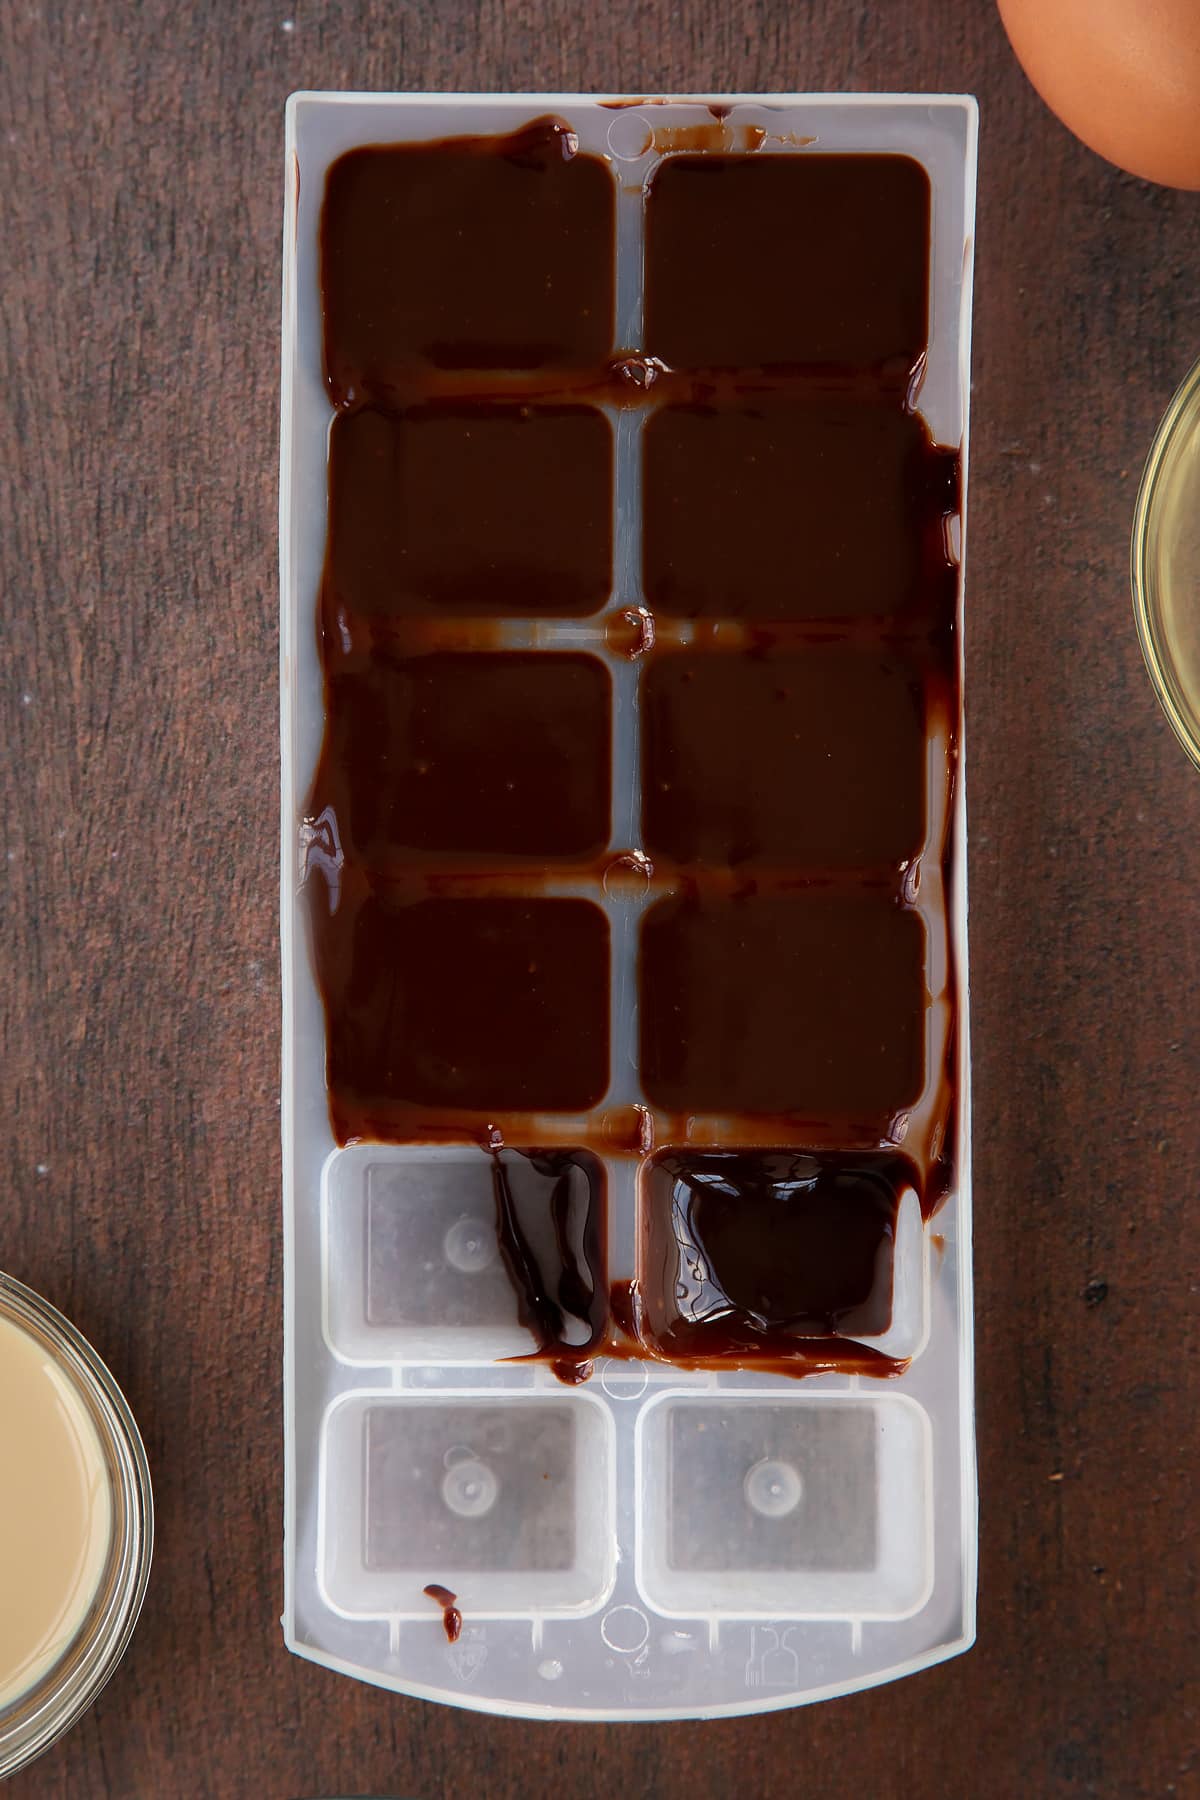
[{"x": 140, "y": 204}]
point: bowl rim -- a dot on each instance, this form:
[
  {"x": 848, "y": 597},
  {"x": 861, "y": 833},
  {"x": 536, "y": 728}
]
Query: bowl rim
[
  {"x": 1182, "y": 713},
  {"x": 56, "y": 1702}
]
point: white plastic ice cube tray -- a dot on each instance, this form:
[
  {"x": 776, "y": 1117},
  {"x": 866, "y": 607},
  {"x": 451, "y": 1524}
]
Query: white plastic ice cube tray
[{"x": 658, "y": 1543}]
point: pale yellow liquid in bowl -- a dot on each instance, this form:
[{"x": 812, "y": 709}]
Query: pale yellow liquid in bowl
[{"x": 56, "y": 1512}]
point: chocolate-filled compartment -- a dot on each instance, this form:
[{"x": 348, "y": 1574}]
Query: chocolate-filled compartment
[
  {"x": 820, "y": 506},
  {"x": 474, "y": 253},
  {"x": 814, "y": 758},
  {"x": 467, "y": 508},
  {"x": 440, "y": 1008},
  {"x": 781, "y": 262},
  {"x": 805, "y": 1007},
  {"x": 501, "y": 757},
  {"x": 767, "y": 1256}
]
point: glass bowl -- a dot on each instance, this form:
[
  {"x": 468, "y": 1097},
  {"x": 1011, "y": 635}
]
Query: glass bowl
[
  {"x": 1166, "y": 563},
  {"x": 37, "y": 1717}
]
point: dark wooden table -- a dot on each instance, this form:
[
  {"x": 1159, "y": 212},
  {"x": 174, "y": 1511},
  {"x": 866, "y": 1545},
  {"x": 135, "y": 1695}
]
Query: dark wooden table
[{"x": 140, "y": 205}]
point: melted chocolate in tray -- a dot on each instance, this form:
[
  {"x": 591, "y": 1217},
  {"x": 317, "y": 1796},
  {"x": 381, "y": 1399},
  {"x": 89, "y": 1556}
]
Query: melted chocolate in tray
[
  {"x": 470, "y": 508},
  {"x": 768, "y": 1251},
  {"x": 461, "y": 757},
  {"x": 451, "y": 1616},
  {"x": 560, "y": 1281},
  {"x": 843, "y": 734},
  {"x": 810, "y": 1004},
  {"x": 781, "y": 263},
  {"x": 476, "y": 253},
  {"x": 725, "y": 480},
  {"x": 793, "y": 735},
  {"x": 471, "y": 1007}
]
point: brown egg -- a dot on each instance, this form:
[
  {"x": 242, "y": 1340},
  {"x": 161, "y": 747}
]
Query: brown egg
[{"x": 1124, "y": 75}]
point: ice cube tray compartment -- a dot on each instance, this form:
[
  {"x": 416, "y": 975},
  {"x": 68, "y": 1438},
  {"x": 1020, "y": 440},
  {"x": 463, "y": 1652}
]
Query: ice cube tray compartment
[
  {"x": 665, "y": 1540},
  {"x": 414, "y": 1270},
  {"x": 505, "y": 1500},
  {"x": 777, "y": 1509}
]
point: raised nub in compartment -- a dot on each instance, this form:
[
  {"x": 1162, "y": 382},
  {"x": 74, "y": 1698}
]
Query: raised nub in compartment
[
  {"x": 753, "y": 1255},
  {"x": 472, "y": 253},
  {"x": 763, "y": 1487},
  {"x": 456, "y": 509},
  {"x": 466, "y": 1008},
  {"x": 432, "y": 1482},
  {"x": 827, "y": 506},
  {"x": 778, "y": 262},
  {"x": 454, "y": 757}
]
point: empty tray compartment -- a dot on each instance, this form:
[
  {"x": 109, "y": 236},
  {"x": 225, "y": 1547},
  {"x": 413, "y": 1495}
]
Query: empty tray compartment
[
  {"x": 812, "y": 1506},
  {"x": 507, "y": 1501}
]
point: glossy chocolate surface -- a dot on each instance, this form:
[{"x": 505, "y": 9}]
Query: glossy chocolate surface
[
  {"x": 788, "y": 262},
  {"x": 784, "y": 758},
  {"x": 463, "y": 1007},
  {"x": 454, "y": 757},
  {"x": 806, "y": 1005},
  {"x": 760, "y": 1249},
  {"x": 815, "y": 506},
  {"x": 478, "y": 253},
  {"x": 468, "y": 507}
]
